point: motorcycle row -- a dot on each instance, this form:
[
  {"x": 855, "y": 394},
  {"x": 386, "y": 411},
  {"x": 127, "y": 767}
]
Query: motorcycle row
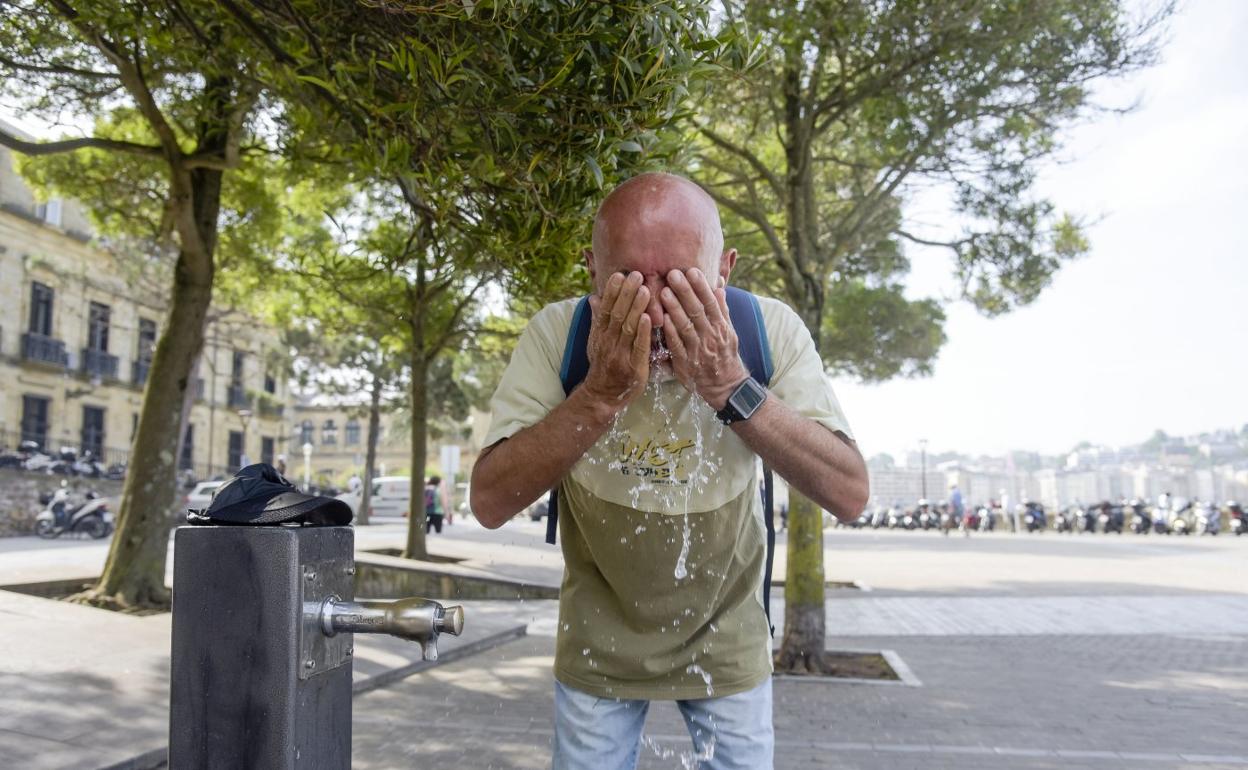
[
  {"x": 1192, "y": 517},
  {"x": 66, "y": 462}
]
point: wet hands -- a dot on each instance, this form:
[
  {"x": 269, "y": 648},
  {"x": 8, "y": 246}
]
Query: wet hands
[
  {"x": 619, "y": 341},
  {"x": 700, "y": 336}
]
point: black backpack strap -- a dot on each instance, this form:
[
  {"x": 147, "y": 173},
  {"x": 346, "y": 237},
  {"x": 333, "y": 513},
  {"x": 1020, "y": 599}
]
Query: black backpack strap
[
  {"x": 769, "y": 518},
  {"x": 571, "y": 373}
]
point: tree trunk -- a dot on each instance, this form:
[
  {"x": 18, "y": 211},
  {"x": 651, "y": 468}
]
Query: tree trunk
[
  {"x": 802, "y": 647},
  {"x": 801, "y": 650},
  {"x": 370, "y": 454},
  {"x": 416, "y": 548},
  {"x": 134, "y": 573}
]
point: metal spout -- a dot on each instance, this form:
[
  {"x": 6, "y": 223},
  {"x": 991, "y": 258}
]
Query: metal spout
[{"x": 415, "y": 619}]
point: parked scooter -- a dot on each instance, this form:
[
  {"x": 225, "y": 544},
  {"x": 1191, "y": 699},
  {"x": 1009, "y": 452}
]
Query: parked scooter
[
  {"x": 1179, "y": 522},
  {"x": 1110, "y": 518},
  {"x": 36, "y": 459},
  {"x": 971, "y": 519},
  {"x": 1064, "y": 519},
  {"x": 90, "y": 517},
  {"x": 1034, "y": 518},
  {"x": 988, "y": 517},
  {"x": 1208, "y": 519},
  {"x": 926, "y": 518},
  {"x": 1141, "y": 522},
  {"x": 1235, "y": 512}
]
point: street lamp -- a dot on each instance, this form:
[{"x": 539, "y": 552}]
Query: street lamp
[
  {"x": 245, "y": 416},
  {"x": 307, "y": 465},
  {"x": 923, "y": 465}
]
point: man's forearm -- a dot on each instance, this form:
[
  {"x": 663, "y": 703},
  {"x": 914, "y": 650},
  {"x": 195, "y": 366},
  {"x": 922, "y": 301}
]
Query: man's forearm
[
  {"x": 819, "y": 463},
  {"x": 516, "y": 471}
]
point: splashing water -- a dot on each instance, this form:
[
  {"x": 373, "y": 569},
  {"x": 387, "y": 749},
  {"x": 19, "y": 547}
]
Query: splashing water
[
  {"x": 694, "y": 668},
  {"x": 689, "y": 760}
]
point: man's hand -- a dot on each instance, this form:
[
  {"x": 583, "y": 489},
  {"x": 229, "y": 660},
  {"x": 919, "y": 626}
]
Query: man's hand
[
  {"x": 619, "y": 342},
  {"x": 700, "y": 336}
]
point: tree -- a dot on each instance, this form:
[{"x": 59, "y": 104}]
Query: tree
[
  {"x": 859, "y": 103},
  {"x": 494, "y": 128},
  {"x": 184, "y": 76}
]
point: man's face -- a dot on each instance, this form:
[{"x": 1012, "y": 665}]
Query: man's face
[{"x": 653, "y": 242}]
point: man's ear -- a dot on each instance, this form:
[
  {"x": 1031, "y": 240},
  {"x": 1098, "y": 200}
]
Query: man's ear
[
  {"x": 589, "y": 264},
  {"x": 726, "y": 263}
]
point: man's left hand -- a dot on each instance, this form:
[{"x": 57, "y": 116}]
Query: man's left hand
[{"x": 700, "y": 336}]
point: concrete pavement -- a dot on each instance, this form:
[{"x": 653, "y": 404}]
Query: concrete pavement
[{"x": 1032, "y": 652}]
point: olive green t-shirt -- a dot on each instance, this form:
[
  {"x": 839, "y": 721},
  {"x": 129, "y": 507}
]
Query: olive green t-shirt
[{"x": 661, "y": 523}]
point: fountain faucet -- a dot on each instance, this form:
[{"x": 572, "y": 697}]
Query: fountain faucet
[{"x": 415, "y": 619}]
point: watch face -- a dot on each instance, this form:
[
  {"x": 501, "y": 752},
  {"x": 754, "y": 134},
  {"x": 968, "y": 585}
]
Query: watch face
[{"x": 747, "y": 399}]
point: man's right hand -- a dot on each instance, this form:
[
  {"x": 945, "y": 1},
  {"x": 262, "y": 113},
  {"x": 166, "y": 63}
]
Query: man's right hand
[{"x": 619, "y": 342}]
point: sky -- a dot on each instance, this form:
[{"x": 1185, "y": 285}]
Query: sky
[{"x": 1146, "y": 331}]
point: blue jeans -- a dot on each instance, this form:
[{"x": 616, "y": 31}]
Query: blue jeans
[{"x": 733, "y": 732}]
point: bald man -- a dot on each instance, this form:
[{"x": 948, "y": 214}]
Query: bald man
[{"x": 654, "y": 456}]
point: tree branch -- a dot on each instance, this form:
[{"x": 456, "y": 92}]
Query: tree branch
[
  {"x": 749, "y": 157},
  {"x": 69, "y": 145}
]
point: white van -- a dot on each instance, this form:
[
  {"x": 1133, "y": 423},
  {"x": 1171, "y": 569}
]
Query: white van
[{"x": 391, "y": 496}]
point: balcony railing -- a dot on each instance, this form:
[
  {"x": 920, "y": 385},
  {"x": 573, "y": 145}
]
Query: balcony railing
[
  {"x": 44, "y": 349},
  {"x": 97, "y": 363},
  {"x": 140, "y": 370}
]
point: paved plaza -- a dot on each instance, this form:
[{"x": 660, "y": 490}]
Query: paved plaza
[{"x": 1028, "y": 651}]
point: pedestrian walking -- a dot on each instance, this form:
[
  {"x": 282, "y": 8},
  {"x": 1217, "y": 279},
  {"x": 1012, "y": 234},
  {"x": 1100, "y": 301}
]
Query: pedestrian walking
[{"x": 433, "y": 504}]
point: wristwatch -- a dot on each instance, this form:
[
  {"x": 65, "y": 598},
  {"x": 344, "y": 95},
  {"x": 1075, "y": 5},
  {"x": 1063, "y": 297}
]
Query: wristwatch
[{"x": 744, "y": 401}]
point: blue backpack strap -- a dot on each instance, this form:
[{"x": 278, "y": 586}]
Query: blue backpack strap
[
  {"x": 752, "y": 345},
  {"x": 571, "y": 373},
  {"x": 755, "y": 352}
]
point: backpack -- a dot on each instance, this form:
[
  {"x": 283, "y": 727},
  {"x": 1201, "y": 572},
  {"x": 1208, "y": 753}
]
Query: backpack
[
  {"x": 755, "y": 353},
  {"x": 431, "y": 500}
]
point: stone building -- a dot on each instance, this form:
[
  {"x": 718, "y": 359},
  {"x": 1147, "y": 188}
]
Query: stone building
[{"x": 77, "y": 334}]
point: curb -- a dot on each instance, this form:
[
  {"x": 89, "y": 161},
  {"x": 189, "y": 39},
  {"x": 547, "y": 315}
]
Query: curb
[{"x": 158, "y": 758}]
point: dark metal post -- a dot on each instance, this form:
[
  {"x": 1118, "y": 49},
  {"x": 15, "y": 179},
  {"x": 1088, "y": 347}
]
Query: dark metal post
[
  {"x": 263, "y": 624},
  {"x": 249, "y": 686}
]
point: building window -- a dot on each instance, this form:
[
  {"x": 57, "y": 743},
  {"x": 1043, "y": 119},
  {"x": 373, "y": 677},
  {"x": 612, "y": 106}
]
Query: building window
[
  {"x": 306, "y": 432},
  {"x": 40, "y": 309},
  {"x": 147, "y": 339},
  {"x": 186, "y": 459},
  {"x": 234, "y": 460},
  {"x": 329, "y": 432},
  {"x": 97, "y": 327},
  {"x": 49, "y": 212},
  {"x": 353, "y": 432},
  {"x": 93, "y": 431},
  {"x": 266, "y": 449},
  {"x": 147, "y": 349},
  {"x": 270, "y": 384},
  {"x": 236, "y": 396},
  {"x": 35, "y": 420}
]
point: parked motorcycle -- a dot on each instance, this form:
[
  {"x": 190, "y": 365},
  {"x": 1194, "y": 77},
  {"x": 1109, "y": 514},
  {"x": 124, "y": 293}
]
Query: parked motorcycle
[
  {"x": 1179, "y": 522},
  {"x": 1034, "y": 518},
  {"x": 1110, "y": 518},
  {"x": 1235, "y": 512},
  {"x": 925, "y": 517},
  {"x": 1141, "y": 522},
  {"x": 971, "y": 519},
  {"x": 1208, "y": 519},
  {"x": 1064, "y": 519},
  {"x": 988, "y": 519},
  {"x": 91, "y": 517}
]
